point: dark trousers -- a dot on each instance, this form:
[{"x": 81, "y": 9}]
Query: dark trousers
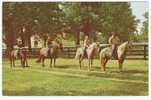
[
  {"x": 85, "y": 52},
  {"x": 114, "y": 50}
]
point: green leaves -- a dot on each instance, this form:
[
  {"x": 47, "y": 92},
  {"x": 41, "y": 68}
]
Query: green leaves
[{"x": 54, "y": 17}]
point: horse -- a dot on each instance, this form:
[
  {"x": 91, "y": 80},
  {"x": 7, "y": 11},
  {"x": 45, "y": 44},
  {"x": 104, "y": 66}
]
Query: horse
[
  {"x": 90, "y": 51},
  {"x": 51, "y": 52},
  {"x": 19, "y": 53},
  {"x": 106, "y": 54}
]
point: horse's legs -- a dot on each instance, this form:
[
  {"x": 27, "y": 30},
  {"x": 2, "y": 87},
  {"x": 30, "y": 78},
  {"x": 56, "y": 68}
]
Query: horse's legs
[
  {"x": 120, "y": 61},
  {"x": 13, "y": 61},
  {"x": 22, "y": 61},
  {"x": 39, "y": 58},
  {"x": 80, "y": 61},
  {"x": 50, "y": 62},
  {"x": 103, "y": 63},
  {"x": 54, "y": 61},
  {"x": 26, "y": 61},
  {"x": 89, "y": 64},
  {"x": 43, "y": 59}
]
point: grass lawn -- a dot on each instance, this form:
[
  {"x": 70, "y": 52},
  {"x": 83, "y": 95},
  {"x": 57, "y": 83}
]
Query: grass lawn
[{"x": 67, "y": 79}]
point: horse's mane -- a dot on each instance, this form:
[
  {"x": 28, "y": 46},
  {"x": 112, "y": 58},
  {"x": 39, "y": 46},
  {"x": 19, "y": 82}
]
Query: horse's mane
[
  {"x": 93, "y": 45},
  {"x": 55, "y": 43},
  {"x": 123, "y": 45}
]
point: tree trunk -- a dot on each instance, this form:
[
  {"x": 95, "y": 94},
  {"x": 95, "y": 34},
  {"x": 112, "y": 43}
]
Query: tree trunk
[
  {"x": 29, "y": 42},
  {"x": 76, "y": 31},
  {"x": 9, "y": 29},
  {"x": 77, "y": 34},
  {"x": 87, "y": 28}
]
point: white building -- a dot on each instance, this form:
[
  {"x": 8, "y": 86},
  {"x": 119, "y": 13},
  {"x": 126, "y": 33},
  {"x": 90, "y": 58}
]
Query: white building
[{"x": 36, "y": 41}]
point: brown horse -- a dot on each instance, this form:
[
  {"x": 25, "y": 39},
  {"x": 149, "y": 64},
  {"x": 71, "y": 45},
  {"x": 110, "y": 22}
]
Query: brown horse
[
  {"x": 52, "y": 53},
  {"x": 19, "y": 53},
  {"x": 91, "y": 52},
  {"x": 106, "y": 54}
]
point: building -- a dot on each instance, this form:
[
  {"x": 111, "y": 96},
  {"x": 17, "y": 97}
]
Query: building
[{"x": 36, "y": 41}]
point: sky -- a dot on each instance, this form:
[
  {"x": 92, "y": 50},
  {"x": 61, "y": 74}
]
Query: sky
[{"x": 138, "y": 9}]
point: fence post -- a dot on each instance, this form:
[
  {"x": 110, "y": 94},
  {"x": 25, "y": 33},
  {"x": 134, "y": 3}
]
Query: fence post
[{"x": 145, "y": 52}]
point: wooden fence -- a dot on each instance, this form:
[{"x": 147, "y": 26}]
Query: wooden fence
[{"x": 138, "y": 51}]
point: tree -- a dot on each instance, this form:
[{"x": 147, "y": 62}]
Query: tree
[
  {"x": 101, "y": 17},
  {"x": 30, "y": 18},
  {"x": 144, "y": 30},
  {"x": 27, "y": 18}
]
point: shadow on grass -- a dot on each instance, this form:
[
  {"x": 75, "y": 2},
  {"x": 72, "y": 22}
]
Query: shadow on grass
[
  {"x": 135, "y": 72},
  {"x": 66, "y": 66},
  {"x": 131, "y": 75},
  {"x": 99, "y": 91}
]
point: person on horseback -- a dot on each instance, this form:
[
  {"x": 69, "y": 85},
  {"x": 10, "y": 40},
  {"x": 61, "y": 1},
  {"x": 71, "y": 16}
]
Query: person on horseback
[
  {"x": 19, "y": 45},
  {"x": 114, "y": 41},
  {"x": 19, "y": 42},
  {"x": 86, "y": 45},
  {"x": 49, "y": 41}
]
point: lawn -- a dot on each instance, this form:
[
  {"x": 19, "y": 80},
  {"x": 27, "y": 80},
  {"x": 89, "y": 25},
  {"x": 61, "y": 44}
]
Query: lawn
[{"x": 67, "y": 79}]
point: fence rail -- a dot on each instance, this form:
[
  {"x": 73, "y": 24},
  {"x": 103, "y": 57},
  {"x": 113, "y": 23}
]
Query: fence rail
[{"x": 139, "y": 51}]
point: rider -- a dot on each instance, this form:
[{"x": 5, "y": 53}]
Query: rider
[
  {"x": 19, "y": 44},
  {"x": 49, "y": 41},
  {"x": 49, "y": 45},
  {"x": 86, "y": 44},
  {"x": 114, "y": 41}
]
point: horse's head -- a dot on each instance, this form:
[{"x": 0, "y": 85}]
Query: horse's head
[
  {"x": 95, "y": 45},
  {"x": 98, "y": 44}
]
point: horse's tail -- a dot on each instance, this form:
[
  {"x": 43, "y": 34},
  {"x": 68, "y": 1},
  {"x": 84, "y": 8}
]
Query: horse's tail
[
  {"x": 77, "y": 54},
  {"x": 39, "y": 59},
  {"x": 101, "y": 58}
]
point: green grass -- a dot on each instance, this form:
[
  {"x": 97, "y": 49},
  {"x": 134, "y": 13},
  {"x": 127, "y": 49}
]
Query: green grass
[{"x": 67, "y": 79}]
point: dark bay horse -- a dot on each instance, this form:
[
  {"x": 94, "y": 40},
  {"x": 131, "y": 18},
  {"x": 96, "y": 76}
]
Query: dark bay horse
[
  {"x": 20, "y": 53},
  {"x": 91, "y": 52},
  {"x": 51, "y": 53},
  {"x": 106, "y": 54}
]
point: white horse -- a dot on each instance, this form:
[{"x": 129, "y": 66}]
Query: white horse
[
  {"x": 90, "y": 51},
  {"x": 106, "y": 54}
]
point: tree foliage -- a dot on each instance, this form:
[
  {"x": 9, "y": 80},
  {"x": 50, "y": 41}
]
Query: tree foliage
[
  {"x": 144, "y": 30},
  {"x": 69, "y": 17}
]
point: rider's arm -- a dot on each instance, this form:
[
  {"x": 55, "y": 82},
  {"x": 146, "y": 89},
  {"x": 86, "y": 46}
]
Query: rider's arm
[{"x": 110, "y": 40}]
